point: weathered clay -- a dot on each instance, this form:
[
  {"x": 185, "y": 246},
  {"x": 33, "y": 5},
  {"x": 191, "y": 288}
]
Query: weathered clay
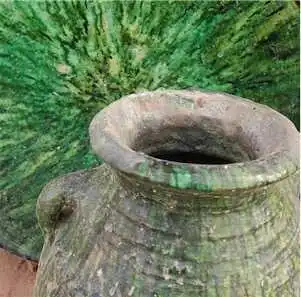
[{"x": 145, "y": 227}]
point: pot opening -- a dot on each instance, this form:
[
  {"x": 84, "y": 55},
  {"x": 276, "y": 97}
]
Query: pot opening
[
  {"x": 190, "y": 157},
  {"x": 190, "y": 140},
  {"x": 197, "y": 145}
]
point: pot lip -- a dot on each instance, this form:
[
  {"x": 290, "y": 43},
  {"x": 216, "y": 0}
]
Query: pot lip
[{"x": 198, "y": 177}]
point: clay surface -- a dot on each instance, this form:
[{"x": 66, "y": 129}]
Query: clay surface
[
  {"x": 142, "y": 226},
  {"x": 17, "y": 275}
]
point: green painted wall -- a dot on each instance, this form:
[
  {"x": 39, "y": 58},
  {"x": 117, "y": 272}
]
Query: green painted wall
[{"x": 62, "y": 61}]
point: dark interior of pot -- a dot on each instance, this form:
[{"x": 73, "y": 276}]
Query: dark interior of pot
[
  {"x": 198, "y": 145},
  {"x": 190, "y": 157}
]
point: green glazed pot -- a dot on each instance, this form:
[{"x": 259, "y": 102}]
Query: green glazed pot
[{"x": 198, "y": 196}]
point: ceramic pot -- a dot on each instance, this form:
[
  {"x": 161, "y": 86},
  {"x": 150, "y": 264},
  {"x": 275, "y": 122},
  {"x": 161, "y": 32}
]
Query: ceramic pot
[{"x": 198, "y": 196}]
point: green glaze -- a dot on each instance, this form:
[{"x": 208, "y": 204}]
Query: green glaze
[
  {"x": 141, "y": 226},
  {"x": 62, "y": 61}
]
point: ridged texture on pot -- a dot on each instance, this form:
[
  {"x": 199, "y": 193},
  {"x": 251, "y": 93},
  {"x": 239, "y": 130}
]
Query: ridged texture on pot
[
  {"x": 117, "y": 231},
  {"x": 62, "y": 61},
  {"x": 118, "y": 243}
]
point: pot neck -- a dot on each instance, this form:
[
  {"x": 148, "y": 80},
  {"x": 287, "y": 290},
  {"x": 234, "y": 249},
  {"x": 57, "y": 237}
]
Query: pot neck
[{"x": 178, "y": 200}]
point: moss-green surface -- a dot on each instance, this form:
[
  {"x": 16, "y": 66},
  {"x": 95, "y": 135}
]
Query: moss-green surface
[
  {"x": 117, "y": 240},
  {"x": 62, "y": 61}
]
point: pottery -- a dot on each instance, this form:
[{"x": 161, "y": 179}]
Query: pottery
[{"x": 198, "y": 196}]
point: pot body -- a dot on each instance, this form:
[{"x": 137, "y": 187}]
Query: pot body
[{"x": 111, "y": 233}]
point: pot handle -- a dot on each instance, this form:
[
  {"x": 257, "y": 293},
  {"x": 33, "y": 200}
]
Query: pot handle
[{"x": 54, "y": 205}]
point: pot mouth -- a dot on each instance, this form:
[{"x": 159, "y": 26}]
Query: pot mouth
[{"x": 203, "y": 141}]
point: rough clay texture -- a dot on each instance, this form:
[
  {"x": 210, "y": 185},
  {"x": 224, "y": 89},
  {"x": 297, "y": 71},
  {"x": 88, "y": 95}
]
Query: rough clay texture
[
  {"x": 62, "y": 61},
  {"x": 119, "y": 230}
]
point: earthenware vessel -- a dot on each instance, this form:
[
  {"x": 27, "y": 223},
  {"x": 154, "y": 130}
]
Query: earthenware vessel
[{"x": 198, "y": 196}]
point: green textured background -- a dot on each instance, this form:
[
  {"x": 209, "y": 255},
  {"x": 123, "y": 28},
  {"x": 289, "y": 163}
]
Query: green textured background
[{"x": 62, "y": 61}]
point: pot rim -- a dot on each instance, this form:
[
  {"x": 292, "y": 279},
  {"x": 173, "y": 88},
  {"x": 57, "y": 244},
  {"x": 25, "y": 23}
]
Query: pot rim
[{"x": 280, "y": 162}]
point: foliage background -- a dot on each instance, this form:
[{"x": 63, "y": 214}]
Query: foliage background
[{"x": 62, "y": 61}]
